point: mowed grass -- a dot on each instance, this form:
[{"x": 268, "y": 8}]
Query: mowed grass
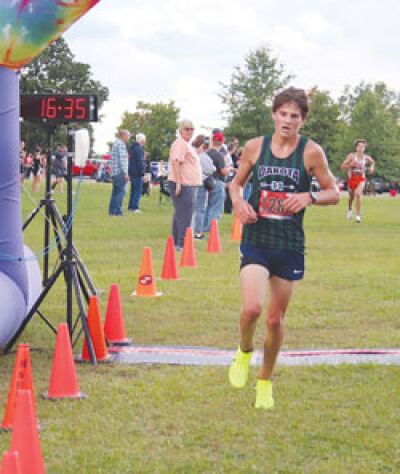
[{"x": 187, "y": 419}]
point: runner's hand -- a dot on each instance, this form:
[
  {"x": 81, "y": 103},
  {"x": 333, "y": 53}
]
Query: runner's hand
[
  {"x": 244, "y": 211},
  {"x": 296, "y": 202}
]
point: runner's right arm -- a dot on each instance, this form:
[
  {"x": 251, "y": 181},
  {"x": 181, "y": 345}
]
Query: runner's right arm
[
  {"x": 347, "y": 162},
  {"x": 242, "y": 208}
]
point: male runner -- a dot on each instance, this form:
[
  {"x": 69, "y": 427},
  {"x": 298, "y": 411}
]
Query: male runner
[
  {"x": 355, "y": 164},
  {"x": 272, "y": 245}
]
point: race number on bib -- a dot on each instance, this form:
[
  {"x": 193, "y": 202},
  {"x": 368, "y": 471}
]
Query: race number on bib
[{"x": 271, "y": 205}]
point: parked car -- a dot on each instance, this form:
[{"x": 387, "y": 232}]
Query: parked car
[
  {"x": 91, "y": 168},
  {"x": 154, "y": 166},
  {"x": 380, "y": 186}
]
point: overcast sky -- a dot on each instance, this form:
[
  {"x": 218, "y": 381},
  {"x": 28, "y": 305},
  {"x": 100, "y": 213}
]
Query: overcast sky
[{"x": 172, "y": 49}]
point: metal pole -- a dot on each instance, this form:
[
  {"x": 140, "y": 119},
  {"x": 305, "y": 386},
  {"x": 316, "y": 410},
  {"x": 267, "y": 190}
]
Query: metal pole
[
  {"x": 69, "y": 250},
  {"x": 50, "y": 131}
]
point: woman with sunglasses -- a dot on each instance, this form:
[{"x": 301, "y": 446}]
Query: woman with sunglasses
[{"x": 184, "y": 178}]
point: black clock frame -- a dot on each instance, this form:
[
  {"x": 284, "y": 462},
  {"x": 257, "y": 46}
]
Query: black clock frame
[{"x": 59, "y": 108}]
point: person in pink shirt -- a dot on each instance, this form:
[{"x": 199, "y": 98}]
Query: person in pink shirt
[{"x": 184, "y": 178}]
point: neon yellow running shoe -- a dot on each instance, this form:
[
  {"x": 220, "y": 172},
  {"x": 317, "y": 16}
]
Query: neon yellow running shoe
[
  {"x": 264, "y": 397},
  {"x": 239, "y": 369}
]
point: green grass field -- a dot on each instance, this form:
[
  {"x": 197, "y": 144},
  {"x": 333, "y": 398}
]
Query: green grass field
[{"x": 167, "y": 419}]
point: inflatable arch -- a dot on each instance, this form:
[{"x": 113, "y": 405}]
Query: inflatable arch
[{"x": 26, "y": 28}]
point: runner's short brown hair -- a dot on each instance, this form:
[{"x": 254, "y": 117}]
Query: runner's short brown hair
[
  {"x": 298, "y": 96},
  {"x": 360, "y": 140}
]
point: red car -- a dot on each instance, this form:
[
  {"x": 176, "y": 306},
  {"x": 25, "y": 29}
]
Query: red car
[{"x": 91, "y": 167}]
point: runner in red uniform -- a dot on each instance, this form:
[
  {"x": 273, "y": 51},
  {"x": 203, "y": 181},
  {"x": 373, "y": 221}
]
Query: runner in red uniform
[{"x": 355, "y": 164}]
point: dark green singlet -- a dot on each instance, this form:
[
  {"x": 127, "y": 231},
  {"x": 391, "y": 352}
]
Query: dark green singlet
[{"x": 272, "y": 178}]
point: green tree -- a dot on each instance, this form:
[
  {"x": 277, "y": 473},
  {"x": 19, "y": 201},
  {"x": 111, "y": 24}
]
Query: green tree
[
  {"x": 56, "y": 71},
  {"x": 158, "y": 122},
  {"x": 373, "y": 113},
  {"x": 249, "y": 95},
  {"x": 325, "y": 126}
]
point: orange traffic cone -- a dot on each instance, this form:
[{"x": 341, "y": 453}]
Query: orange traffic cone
[
  {"x": 114, "y": 326},
  {"x": 25, "y": 436},
  {"x": 169, "y": 269},
  {"x": 11, "y": 463},
  {"x": 188, "y": 257},
  {"x": 63, "y": 380},
  {"x": 146, "y": 284},
  {"x": 214, "y": 245},
  {"x": 236, "y": 235},
  {"x": 21, "y": 379},
  {"x": 96, "y": 334}
]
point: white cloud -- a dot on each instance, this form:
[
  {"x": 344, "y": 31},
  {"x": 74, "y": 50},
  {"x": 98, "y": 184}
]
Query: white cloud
[
  {"x": 172, "y": 50},
  {"x": 289, "y": 38},
  {"x": 313, "y": 23}
]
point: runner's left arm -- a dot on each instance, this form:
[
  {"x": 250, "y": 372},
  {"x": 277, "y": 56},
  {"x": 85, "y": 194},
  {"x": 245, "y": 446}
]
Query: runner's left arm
[{"x": 371, "y": 164}]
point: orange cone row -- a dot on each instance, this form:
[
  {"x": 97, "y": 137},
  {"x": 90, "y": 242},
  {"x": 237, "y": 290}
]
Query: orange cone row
[
  {"x": 146, "y": 284},
  {"x": 20, "y": 414},
  {"x": 25, "y": 453}
]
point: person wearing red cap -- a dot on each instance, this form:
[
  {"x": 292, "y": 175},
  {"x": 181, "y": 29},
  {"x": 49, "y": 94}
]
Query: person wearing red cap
[
  {"x": 216, "y": 198},
  {"x": 272, "y": 247}
]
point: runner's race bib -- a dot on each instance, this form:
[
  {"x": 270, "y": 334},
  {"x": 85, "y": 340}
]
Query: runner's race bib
[{"x": 271, "y": 205}]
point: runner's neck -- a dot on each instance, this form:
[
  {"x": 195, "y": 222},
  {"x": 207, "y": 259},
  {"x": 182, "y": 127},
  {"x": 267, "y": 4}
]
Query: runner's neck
[{"x": 283, "y": 147}]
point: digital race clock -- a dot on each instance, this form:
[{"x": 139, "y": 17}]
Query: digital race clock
[{"x": 59, "y": 107}]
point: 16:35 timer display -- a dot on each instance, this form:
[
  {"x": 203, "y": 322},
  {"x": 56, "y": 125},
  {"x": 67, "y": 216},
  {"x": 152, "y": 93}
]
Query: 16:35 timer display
[{"x": 59, "y": 108}]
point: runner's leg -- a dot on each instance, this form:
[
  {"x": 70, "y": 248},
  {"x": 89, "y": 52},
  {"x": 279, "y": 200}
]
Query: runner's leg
[
  {"x": 253, "y": 284},
  {"x": 351, "y": 197},
  {"x": 358, "y": 193},
  {"x": 280, "y": 293}
]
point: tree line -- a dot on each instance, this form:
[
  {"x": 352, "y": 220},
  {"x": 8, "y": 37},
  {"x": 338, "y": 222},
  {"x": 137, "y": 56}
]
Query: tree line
[{"x": 370, "y": 111}]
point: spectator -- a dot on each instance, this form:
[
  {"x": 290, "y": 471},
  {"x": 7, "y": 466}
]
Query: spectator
[
  {"x": 216, "y": 198},
  {"x": 59, "y": 166},
  {"x": 22, "y": 154},
  {"x": 101, "y": 173},
  {"x": 223, "y": 148},
  {"x": 235, "y": 150},
  {"x": 207, "y": 168},
  {"x": 147, "y": 176},
  {"x": 119, "y": 173},
  {"x": 184, "y": 177},
  {"x": 37, "y": 169},
  {"x": 232, "y": 146},
  {"x": 161, "y": 170},
  {"x": 28, "y": 165},
  {"x": 136, "y": 172}
]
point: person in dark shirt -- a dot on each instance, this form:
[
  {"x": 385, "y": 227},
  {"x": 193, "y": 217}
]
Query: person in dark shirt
[
  {"x": 147, "y": 176},
  {"x": 216, "y": 198},
  {"x": 59, "y": 166},
  {"x": 272, "y": 246},
  {"x": 136, "y": 172}
]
